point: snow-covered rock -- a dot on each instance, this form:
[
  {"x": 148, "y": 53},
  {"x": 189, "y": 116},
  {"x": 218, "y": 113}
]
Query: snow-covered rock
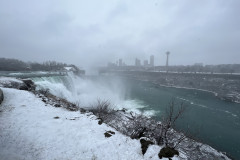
[
  {"x": 23, "y": 84},
  {"x": 10, "y": 82}
]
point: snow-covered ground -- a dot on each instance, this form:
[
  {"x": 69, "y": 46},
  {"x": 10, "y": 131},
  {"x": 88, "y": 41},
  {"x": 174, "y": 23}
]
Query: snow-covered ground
[{"x": 28, "y": 130}]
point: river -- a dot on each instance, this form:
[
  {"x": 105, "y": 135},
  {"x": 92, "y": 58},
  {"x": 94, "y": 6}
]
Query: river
[{"x": 210, "y": 119}]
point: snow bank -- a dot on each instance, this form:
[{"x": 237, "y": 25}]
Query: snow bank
[{"x": 28, "y": 130}]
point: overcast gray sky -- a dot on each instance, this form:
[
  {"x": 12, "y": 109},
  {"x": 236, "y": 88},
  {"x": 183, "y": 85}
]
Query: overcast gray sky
[{"x": 87, "y": 32}]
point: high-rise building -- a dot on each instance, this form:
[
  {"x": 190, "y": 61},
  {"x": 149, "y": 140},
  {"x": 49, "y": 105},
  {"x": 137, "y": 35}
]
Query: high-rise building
[
  {"x": 145, "y": 63},
  {"x": 137, "y": 62},
  {"x": 152, "y": 60},
  {"x": 120, "y": 62}
]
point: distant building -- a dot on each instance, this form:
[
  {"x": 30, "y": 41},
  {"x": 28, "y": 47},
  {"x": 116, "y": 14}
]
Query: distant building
[
  {"x": 110, "y": 64},
  {"x": 152, "y": 60},
  {"x": 145, "y": 63},
  {"x": 137, "y": 62},
  {"x": 120, "y": 62},
  {"x": 198, "y": 64}
]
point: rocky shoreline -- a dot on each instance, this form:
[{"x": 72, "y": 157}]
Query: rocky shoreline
[{"x": 225, "y": 87}]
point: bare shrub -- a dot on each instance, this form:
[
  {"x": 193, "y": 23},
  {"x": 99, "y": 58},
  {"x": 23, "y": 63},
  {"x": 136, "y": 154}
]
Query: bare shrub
[
  {"x": 135, "y": 125},
  {"x": 173, "y": 113},
  {"x": 103, "y": 109},
  {"x": 139, "y": 124}
]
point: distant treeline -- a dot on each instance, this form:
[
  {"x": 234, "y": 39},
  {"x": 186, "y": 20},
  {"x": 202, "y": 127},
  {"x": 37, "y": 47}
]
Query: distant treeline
[{"x": 17, "y": 65}]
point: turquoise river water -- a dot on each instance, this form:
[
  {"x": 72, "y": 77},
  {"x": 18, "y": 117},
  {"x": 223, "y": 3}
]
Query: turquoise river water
[{"x": 216, "y": 122}]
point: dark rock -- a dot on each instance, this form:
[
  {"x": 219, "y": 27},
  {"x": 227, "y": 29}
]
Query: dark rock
[
  {"x": 23, "y": 87},
  {"x": 82, "y": 110},
  {"x": 109, "y": 134},
  {"x": 1, "y": 96},
  {"x": 28, "y": 82},
  {"x": 144, "y": 145},
  {"x": 100, "y": 121},
  {"x": 56, "y": 117},
  {"x": 167, "y": 152},
  {"x": 27, "y": 85},
  {"x": 57, "y": 105}
]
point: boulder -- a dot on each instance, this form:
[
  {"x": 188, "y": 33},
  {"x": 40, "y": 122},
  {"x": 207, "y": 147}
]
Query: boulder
[
  {"x": 144, "y": 145},
  {"x": 28, "y": 85},
  {"x": 23, "y": 87},
  {"x": 57, "y": 105},
  {"x": 109, "y": 134},
  {"x": 167, "y": 152},
  {"x": 100, "y": 121}
]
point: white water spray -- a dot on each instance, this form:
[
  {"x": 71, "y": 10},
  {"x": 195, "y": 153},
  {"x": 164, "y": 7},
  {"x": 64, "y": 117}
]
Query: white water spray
[{"x": 86, "y": 91}]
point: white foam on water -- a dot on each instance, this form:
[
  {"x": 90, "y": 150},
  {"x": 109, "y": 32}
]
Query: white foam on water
[
  {"x": 227, "y": 111},
  {"x": 192, "y": 103},
  {"x": 203, "y": 106}
]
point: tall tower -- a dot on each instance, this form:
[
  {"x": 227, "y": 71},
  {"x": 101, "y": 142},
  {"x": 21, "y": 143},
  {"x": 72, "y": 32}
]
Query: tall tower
[
  {"x": 167, "y": 53},
  {"x": 152, "y": 60}
]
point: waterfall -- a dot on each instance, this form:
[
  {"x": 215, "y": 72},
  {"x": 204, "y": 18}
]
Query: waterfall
[
  {"x": 86, "y": 91},
  {"x": 83, "y": 91}
]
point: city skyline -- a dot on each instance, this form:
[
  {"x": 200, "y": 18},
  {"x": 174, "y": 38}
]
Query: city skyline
[{"x": 146, "y": 63}]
